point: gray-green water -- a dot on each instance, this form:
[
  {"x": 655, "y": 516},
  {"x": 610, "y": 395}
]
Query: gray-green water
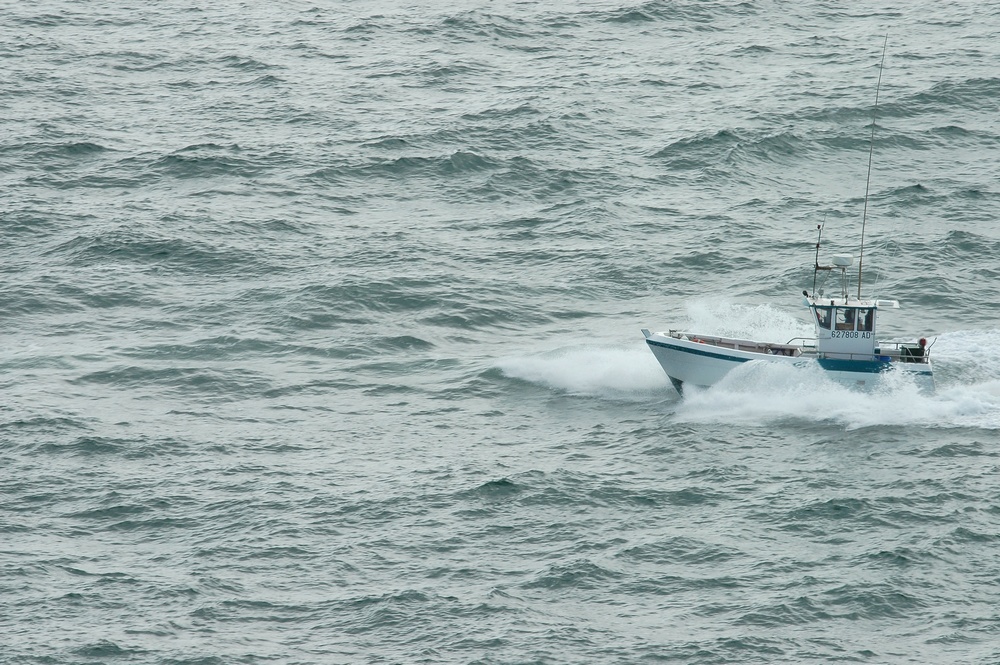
[{"x": 321, "y": 335}]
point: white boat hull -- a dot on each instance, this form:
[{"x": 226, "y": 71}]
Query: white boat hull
[{"x": 690, "y": 362}]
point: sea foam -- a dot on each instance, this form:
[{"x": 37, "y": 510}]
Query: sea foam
[{"x": 612, "y": 372}]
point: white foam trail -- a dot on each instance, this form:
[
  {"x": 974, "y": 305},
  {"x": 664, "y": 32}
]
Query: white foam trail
[
  {"x": 759, "y": 393},
  {"x": 967, "y": 356},
  {"x": 621, "y": 373}
]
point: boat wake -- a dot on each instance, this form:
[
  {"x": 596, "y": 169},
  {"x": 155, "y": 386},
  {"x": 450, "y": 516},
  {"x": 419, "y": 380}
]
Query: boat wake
[
  {"x": 611, "y": 373},
  {"x": 761, "y": 393}
]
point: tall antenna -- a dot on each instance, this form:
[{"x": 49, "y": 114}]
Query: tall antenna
[
  {"x": 871, "y": 150},
  {"x": 819, "y": 237}
]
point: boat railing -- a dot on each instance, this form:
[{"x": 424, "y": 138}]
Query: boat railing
[
  {"x": 904, "y": 352},
  {"x": 840, "y": 355},
  {"x": 747, "y": 345},
  {"x": 889, "y": 352}
]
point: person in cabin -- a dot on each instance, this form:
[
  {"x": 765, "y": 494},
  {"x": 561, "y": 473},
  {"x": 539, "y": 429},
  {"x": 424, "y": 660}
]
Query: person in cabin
[
  {"x": 845, "y": 319},
  {"x": 866, "y": 319}
]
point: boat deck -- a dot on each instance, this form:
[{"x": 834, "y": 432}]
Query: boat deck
[
  {"x": 891, "y": 352},
  {"x": 750, "y": 346}
]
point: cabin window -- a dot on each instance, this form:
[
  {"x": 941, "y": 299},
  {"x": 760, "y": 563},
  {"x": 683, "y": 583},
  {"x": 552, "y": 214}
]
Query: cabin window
[
  {"x": 823, "y": 317},
  {"x": 866, "y": 317},
  {"x": 845, "y": 318}
]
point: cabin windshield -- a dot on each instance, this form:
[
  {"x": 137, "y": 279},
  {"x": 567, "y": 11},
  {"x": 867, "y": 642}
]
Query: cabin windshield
[
  {"x": 823, "y": 317},
  {"x": 845, "y": 318},
  {"x": 866, "y": 319}
]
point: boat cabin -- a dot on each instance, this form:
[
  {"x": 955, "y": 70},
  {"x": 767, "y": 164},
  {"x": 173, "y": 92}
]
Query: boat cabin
[{"x": 845, "y": 327}]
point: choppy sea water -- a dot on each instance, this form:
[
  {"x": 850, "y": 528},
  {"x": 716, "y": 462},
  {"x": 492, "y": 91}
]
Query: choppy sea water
[{"x": 321, "y": 333}]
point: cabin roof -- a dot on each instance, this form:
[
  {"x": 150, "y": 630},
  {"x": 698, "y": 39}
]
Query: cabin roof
[{"x": 879, "y": 303}]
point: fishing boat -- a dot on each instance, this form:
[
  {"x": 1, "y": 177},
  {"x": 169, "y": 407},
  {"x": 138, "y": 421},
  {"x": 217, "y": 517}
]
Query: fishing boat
[{"x": 845, "y": 345}]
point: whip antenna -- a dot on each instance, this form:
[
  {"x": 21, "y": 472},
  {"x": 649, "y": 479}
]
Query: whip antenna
[{"x": 871, "y": 150}]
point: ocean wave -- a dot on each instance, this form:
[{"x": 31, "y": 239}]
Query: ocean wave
[
  {"x": 477, "y": 24},
  {"x": 684, "y": 15},
  {"x": 205, "y": 161},
  {"x": 149, "y": 252},
  {"x": 975, "y": 93},
  {"x": 220, "y": 383}
]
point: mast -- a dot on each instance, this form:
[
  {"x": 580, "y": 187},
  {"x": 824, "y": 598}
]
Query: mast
[
  {"x": 816, "y": 268},
  {"x": 871, "y": 150}
]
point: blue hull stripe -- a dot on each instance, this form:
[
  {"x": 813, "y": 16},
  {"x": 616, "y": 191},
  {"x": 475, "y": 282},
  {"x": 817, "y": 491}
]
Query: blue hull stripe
[
  {"x": 864, "y": 366},
  {"x": 830, "y": 364},
  {"x": 698, "y": 352}
]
